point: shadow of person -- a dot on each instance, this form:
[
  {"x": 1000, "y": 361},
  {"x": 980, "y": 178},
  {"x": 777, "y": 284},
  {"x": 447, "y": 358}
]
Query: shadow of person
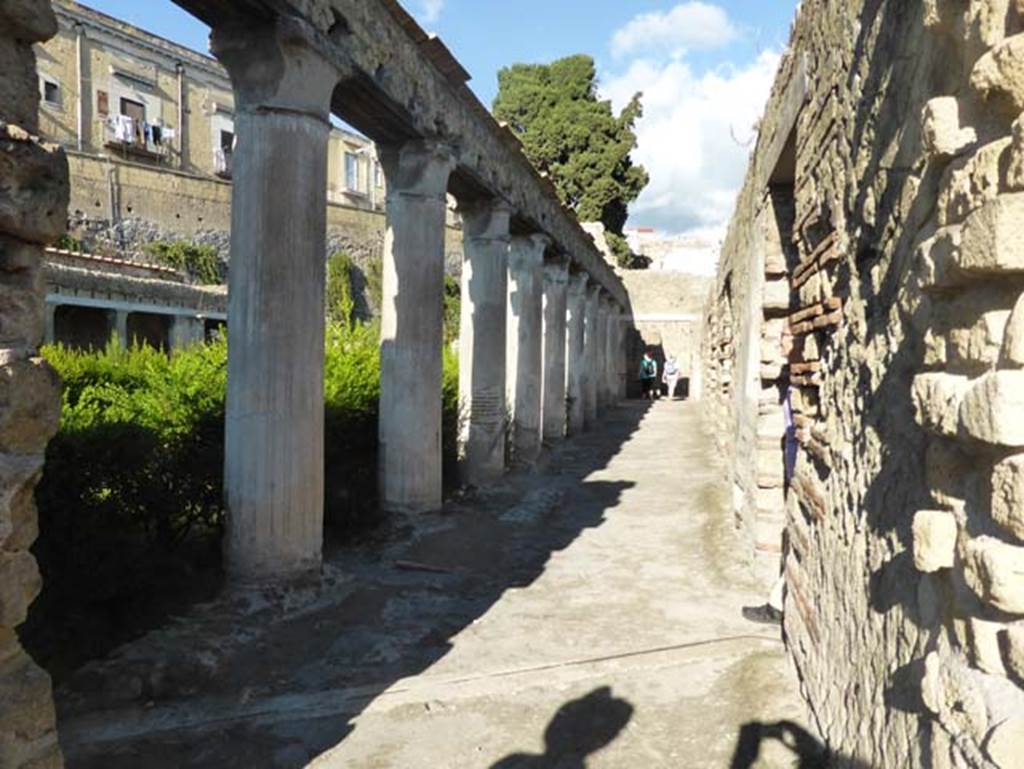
[
  {"x": 812, "y": 754},
  {"x": 579, "y": 728}
]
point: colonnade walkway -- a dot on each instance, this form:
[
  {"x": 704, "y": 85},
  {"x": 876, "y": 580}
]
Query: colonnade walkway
[{"x": 583, "y": 614}]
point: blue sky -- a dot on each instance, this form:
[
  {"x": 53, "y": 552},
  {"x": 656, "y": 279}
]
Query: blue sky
[{"x": 705, "y": 68}]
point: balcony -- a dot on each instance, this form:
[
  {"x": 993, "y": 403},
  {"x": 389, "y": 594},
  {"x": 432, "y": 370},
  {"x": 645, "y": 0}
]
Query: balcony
[{"x": 126, "y": 141}]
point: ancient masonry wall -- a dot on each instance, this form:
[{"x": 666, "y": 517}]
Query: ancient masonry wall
[
  {"x": 33, "y": 212},
  {"x": 118, "y": 207},
  {"x": 886, "y": 195},
  {"x": 667, "y": 310}
]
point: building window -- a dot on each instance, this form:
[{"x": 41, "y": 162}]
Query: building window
[
  {"x": 136, "y": 111},
  {"x": 352, "y": 172},
  {"x": 51, "y": 92},
  {"x": 222, "y": 155}
]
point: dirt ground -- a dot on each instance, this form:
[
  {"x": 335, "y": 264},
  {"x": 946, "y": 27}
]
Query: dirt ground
[{"x": 584, "y": 614}]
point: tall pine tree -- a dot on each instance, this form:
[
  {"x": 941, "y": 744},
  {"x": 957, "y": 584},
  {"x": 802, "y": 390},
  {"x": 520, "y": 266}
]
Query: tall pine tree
[{"x": 576, "y": 138}]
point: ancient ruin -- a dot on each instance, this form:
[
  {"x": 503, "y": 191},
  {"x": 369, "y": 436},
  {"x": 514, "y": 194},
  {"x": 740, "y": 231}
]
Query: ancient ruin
[{"x": 859, "y": 360}]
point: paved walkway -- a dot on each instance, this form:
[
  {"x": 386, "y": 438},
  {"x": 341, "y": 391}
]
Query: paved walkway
[{"x": 583, "y": 615}]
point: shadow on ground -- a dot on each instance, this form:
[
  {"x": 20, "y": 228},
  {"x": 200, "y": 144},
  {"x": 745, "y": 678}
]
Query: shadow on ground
[
  {"x": 579, "y": 728},
  {"x": 807, "y": 751},
  {"x": 288, "y": 690}
]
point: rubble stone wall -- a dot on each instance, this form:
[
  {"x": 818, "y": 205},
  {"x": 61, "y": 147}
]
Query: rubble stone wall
[
  {"x": 119, "y": 207},
  {"x": 33, "y": 212},
  {"x": 887, "y": 191}
]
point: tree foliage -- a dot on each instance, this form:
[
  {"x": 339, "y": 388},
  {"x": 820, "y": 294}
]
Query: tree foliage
[{"x": 574, "y": 136}]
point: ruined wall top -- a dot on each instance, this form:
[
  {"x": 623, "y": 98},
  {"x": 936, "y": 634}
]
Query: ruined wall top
[{"x": 399, "y": 84}]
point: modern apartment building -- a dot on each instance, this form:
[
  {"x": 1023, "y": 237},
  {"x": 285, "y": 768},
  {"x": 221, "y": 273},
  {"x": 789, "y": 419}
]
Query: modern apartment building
[{"x": 149, "y": 128}]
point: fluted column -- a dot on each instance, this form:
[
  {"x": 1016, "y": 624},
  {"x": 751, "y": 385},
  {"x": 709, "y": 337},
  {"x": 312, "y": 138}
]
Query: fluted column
[
  {"x": 574, "y": 352},
  {"x": 622, "y": 359},
  {"x": 412, "y": 325},
  {"x": 485, "y": 236},
  {"x": 590, "y": 356},
  {"x": 273, "y": 475},
  {"x": 556, "y": 284},
  {"x": 525, "y": 343}
]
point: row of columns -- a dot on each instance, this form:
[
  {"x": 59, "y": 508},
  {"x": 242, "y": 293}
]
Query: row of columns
[
  {"x": 540, "y": 346},
  {"x": 537, "y": 359}
]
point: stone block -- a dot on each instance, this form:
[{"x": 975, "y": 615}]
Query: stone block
[
  {"x": 992, "y": 410},
  {"x": 18, "y": 477},
  {"x": 938, "y": 258},
  {"x": 980, "y": 343},
  {"x": 776, "y": 295},
  {"x": 30, "y": 21},
  {"x": 1015, "y": 162},
  {"x": 935, "y": 534},
  {"x": 29, "y": 406},
  {"x": 1011, "y": 640},
  {"x": 26, "y": 706},
  {"x": 937, "y": 400},
  {"x": 20, "y": 583},
  {"x": 22, "y": 293},
  {"x": 986, "y": 21},
  {"x": 1000, "y": 72},
  {"x": 1005, "y": 743},
  {"x": 984, "y": 645},
  {"x": 1008, "y": 495},
  {"x": 971, "y": 181},
  {"x": 994, "y": 570},
  {"x": 19, "y": 92},
  {"x": 34, "y": 187},
  {"x": 1013, "y": 336},
  {"x": 991, "y": 242},
  {"x": 942, "y": 131}
]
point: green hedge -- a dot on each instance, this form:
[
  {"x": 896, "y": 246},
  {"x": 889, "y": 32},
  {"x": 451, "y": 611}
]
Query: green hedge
[{"x": 130, "y": 504}]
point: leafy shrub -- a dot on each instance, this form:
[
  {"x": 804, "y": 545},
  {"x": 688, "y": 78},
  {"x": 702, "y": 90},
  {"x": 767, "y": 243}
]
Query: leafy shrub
[
  {"x": 200, "y": 263},
  {"x": 452, "y": 309},
  {"x": 340, "y": 302},
  {"x": 130, "y": 505}
]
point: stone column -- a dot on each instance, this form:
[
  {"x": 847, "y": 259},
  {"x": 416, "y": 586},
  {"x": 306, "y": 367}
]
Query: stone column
[
  {"x": 556, "y": 284},
  {"x": 623, "y": 353},
  {"x": 590, "y": 356},
  {"x": 574, "y": 352},
  {"x": 274, "y": 427},
  {"x": 485, "y": 237},
  {"x": 525, "y": 344},
  {"x": 121, "y": 328},
  {"x": 611, "y": 363},
  {"x": 409, "y": 463},
  {"x": 604, "y": 327}
]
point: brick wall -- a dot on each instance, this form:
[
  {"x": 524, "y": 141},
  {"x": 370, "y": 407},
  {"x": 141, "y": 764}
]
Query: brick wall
[{"x": 887, "y": 191}]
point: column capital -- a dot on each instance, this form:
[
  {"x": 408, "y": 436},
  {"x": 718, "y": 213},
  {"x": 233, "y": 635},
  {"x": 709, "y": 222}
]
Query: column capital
[
  {"x": 578, "y": 283},
  {"x": 593, "y": 290},
  {"x": 527, "y": 252},
  {"x": 418, "y": 168},
  {"x": 486, "y": 219},
  {"x": 274, "y": 66},
  {"x": 556, "y": 270}
]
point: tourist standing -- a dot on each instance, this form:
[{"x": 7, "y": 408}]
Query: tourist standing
[
  {"x": 671, "y": 376},
  {"x": 648, "y": 376}
]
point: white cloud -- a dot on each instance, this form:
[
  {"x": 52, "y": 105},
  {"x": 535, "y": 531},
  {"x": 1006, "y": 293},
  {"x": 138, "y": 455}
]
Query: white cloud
[
  {"x": 694, "y": 138},
  {"x": 432, "y": 10},
  {"x": 688, "y": 25}
]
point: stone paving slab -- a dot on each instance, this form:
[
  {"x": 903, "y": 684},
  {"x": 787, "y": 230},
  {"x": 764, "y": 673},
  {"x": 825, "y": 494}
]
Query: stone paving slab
[{"x": 586, "y": 614}]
